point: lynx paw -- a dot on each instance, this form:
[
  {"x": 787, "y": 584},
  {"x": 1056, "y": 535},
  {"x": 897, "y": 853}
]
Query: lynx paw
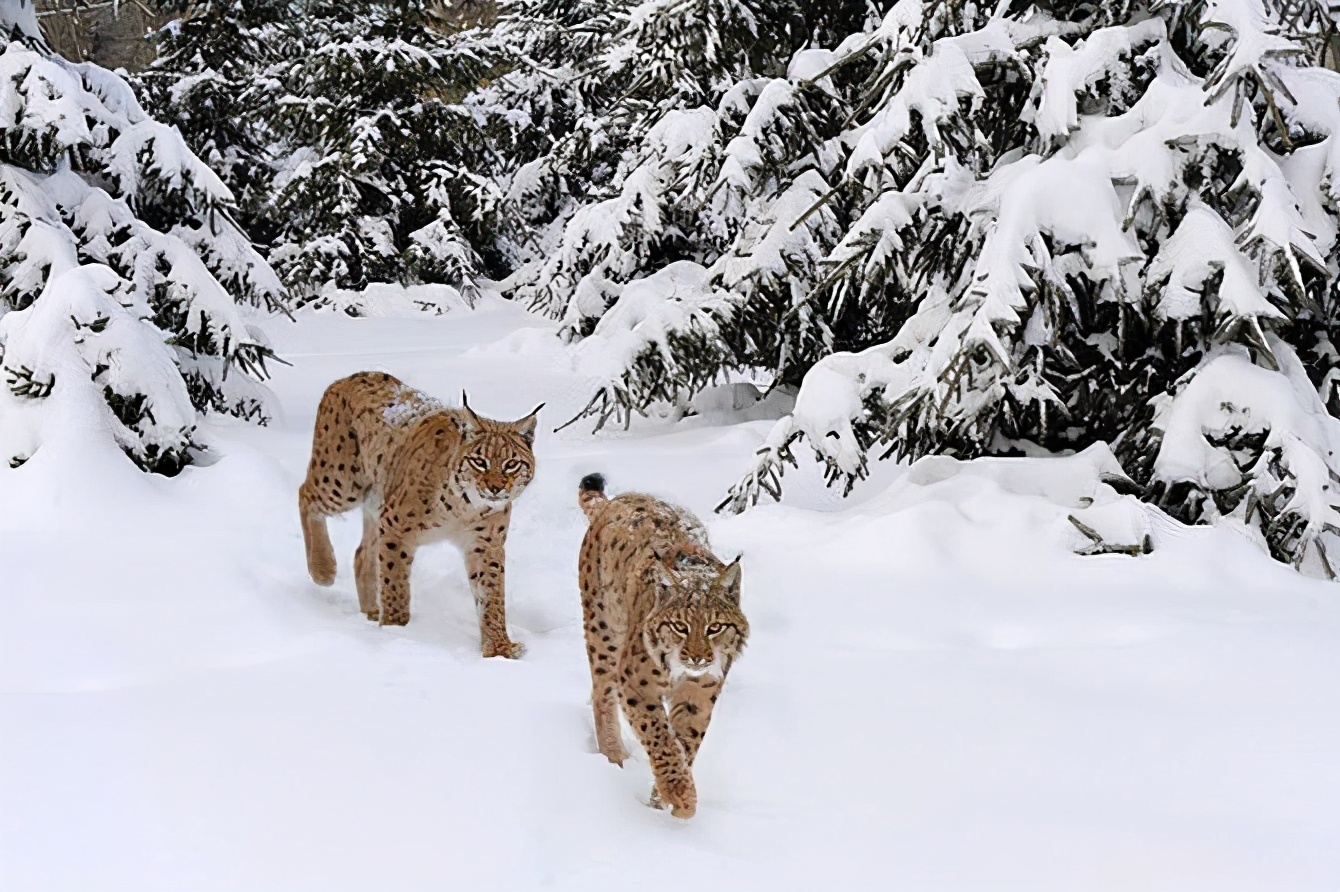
[
  {"x": 681, "y": 797},
  {"x": 617, "y": 755},
  {"x": 505, "y": 648},
  {"x": 394, "y": 619},
  {"x": 322, "y": 570}
]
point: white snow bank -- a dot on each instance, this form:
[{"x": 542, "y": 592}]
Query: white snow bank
[{"x": 1071, "y": 494}]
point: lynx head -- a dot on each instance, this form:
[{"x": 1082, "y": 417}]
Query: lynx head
[
  {"x": 697, "y": 623},
  {"x": 496, "y": 460}
]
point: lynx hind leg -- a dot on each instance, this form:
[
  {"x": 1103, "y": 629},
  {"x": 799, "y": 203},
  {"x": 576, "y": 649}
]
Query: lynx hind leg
[
  {"x": 605, "y": 707},
  {"x": 333, "y": 483},
  {"x": 394, "y": 558},
  {"x": 313, "y": 511},
  {"x": 602, "y": 650},
  {"x": 365, "y": 567}
]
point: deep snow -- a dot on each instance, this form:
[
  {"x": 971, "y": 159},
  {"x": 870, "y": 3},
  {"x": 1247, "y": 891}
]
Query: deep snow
[{"x": 937, "y": 694}]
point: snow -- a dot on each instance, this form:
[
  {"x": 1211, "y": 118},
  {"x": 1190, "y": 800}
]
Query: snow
[
  {"x": 933, "y": 90},
  {"x": 937, "y": 694},
  {"x": 1202, "y": 246},
  {"x": 106, "y": 305},
  {"x": 1071, "y": 70},
  {"x": 744, "y": 154},
  {"x": 810, "y": 64},
  {"x": 770, "y": 249},
  {"x": 385, "y": 300},
  {"x": 1112, "y": 178},
  {"x": 171, "y": 163},
  {"x": 19, "y": 18},
  {"x": 1016, "y": 206}
]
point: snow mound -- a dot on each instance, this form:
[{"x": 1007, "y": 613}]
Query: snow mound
[
  {"x": 393, "y": 301},
  {"x": 1081, "y": 502}
]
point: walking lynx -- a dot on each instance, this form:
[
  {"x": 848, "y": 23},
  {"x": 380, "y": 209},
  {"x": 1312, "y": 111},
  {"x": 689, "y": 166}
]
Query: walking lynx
[
  {"x": 422, "y": 472},
  {"x": 663, "y": 627}
]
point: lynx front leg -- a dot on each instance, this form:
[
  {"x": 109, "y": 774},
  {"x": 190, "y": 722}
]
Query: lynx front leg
[
  {"x": 641, "y": 685},
  {"x": 691, "y": 703},
  {"x": 365, "y": 567},
  {"x": 605, "y": 706},
  {"x": 485, "y": 562},
  {"x": 395, "y": 556}
]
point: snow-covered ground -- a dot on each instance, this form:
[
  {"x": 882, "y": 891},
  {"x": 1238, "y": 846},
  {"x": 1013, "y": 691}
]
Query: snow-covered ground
[{"x": 937, "y": 693}]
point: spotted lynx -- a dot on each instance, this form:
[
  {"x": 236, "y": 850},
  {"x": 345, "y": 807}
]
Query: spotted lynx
[
  {"x": 663, "y": 626},
  {"x": 422, "y": 472}
]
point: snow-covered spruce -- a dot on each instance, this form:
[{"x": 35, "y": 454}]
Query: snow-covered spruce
[
  {"x": 123, "y": 273},
  {"x": 971, "y": 227},
  {"x": 619, "y": 175},
  {"x": 341, "y": 127},
  {"x": 209, "y": 80}
]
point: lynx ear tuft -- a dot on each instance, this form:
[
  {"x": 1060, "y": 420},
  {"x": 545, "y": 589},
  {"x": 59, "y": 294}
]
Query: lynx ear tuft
[
  {"x": 467, "y": 422},
  {"x": 526, "y": 426},
  {"x": 465, "y": 404},
  {"x": 729, "y": 581}
]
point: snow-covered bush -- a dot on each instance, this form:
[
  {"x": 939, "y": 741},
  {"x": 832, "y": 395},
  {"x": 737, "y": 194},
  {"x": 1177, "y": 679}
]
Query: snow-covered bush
[
  {"x": 976, "y": 228},
  {"x": 122, "y": 273},
  {"x": 342, "y": 125},
  {"x": 1242, "y": 440}
]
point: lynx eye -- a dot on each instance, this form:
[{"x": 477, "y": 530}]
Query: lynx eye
[
  {"x": 478, "y": 462},
  {"x": 511, "y": 466},
  {"x": 715, "y": 629},
  {"x": 680, "y": 628}
]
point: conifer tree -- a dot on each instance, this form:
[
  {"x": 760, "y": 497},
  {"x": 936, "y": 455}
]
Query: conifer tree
[
  {"x": 342, "y": 125},
  {"x": 380, "y": 180},
  {"x": 124, "y": 278},
  {"x": 654, "y": 96},
  {"x": 976, "y": 229},
  {"x": 209, "y": 80}
]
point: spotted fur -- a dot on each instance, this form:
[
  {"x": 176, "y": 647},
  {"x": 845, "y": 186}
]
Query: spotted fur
[
  {"x": 422, "y": 472},
  {"x": 663, "y": 627}
]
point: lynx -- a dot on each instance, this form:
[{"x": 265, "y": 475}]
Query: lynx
[
  {"x": 422, "y": 472},
  {"x": 663, "y": 627}
]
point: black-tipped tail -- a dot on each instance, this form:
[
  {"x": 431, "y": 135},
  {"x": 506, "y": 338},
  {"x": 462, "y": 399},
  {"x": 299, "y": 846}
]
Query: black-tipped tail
[{"x": 591, "y": 494}]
